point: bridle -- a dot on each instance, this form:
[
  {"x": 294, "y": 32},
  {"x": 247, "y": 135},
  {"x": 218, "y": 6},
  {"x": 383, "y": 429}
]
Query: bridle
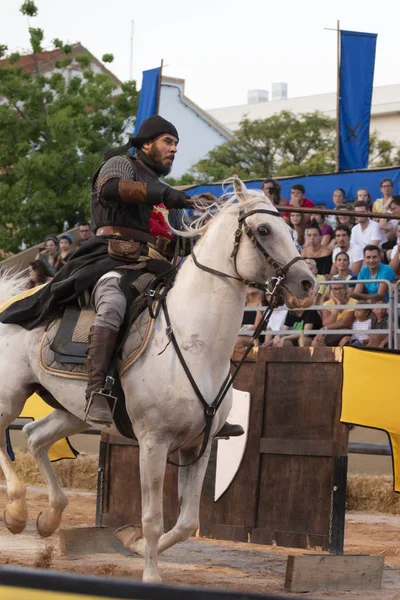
[
  {"x": 243, "y": 227},
  {"x": 272, "y": 286}
]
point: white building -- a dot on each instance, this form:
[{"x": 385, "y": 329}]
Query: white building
[
  {"x": 199, "y": 131},
  {"x": 385, "y": 111}
]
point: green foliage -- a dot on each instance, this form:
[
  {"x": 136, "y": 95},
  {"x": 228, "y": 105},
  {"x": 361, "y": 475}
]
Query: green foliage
[
  {"x": 382, "y": 153},
  {"x": 29, "y": 9},
  {"x": 54, "y": 131},
  {"x": 107, "y": 58},
  {"x": 284, "y": 144}
]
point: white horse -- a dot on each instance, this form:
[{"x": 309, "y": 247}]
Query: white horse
[{"x": 206, "y": 312}]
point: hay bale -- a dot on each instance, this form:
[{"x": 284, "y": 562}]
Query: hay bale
[
  {"x": 80, "y": 473},
  {"x": 372, "y": 493}
]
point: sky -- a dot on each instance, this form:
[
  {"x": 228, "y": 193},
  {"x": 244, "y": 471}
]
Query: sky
[{"x": 222, "y": 48}]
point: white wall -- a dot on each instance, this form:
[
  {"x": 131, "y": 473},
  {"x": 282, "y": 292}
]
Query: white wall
[{"x": 197, "y": 135}]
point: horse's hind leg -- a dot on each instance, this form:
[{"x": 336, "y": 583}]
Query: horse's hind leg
[
  {"x": 41, "y": 435},
  {"x": 16, "y": 511}
]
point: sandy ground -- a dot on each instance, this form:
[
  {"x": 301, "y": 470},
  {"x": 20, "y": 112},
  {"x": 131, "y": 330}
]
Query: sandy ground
[{"x": 201, "y": 562}]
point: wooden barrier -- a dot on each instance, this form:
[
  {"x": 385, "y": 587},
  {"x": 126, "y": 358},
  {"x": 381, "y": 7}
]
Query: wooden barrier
[{"x": 290, "y": 486}]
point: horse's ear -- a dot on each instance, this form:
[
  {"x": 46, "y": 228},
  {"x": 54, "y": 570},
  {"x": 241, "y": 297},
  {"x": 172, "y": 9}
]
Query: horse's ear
[{"x": 240, "y": 188}]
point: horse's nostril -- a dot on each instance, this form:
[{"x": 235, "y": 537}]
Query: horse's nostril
[{"x": 306, "y": 284}]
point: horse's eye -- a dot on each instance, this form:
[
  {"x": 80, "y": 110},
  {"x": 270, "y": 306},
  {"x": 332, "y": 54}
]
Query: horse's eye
[{"x": 263, "y": 230}]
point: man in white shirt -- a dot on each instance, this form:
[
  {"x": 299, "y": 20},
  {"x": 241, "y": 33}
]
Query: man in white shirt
[
  {"x": 367, "y": 231},
  {"x": 344, "y": 244}
]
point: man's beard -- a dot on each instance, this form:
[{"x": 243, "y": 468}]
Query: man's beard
[{"x": 155, "y": 156}]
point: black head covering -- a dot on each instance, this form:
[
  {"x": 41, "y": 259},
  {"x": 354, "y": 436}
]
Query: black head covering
[{"x": 151, "y": 129}]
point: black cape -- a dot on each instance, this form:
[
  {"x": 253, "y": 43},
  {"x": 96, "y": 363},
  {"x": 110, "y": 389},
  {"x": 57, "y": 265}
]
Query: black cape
[{"x": 80, "y": 273}]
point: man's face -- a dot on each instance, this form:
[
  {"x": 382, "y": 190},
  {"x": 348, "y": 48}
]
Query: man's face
[
  {"x": 361, "y": 219},
  {"x": 342, "y": 239},
  {"x": 296, "y": 197},
  {"x": 372, "y": 259},
  {"x": 162, "y": 151},
  {"x": 85, "y": 232},
  {"x": 313, "y": 237},
  {"x": 386, "y": 189}
]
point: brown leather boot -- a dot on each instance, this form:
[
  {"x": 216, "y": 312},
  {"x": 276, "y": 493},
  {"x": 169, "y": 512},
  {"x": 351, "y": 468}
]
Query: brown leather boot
[
  {"x": 230, "y": 430},
  {"x": 101, "y": 345}
]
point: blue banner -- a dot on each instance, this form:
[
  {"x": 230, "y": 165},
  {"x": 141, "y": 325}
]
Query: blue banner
[
  {"x": 148, "y": 102},
  {"x": 357, "y": 61}
]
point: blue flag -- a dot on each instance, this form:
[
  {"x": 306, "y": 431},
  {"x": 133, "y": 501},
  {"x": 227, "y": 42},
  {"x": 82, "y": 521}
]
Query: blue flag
[
  {"x": 148, "y": 102},
  {"x": 357, "y": 61}
]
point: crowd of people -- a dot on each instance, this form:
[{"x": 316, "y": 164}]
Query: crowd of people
[
  {"x": 338, "y": 248},
  {"x": 53, "y": 254}
]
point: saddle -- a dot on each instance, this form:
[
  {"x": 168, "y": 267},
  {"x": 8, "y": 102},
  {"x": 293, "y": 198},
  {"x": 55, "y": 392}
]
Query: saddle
[{"x": 64, "y": 343}]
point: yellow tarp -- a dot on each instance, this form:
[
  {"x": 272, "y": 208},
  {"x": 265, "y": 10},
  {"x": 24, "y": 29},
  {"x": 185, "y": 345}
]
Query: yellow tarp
[{"x": 370, "y": 395}]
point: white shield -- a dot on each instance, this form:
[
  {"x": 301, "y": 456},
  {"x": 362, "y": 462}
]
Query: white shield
[{"x": 230, "y": 452}]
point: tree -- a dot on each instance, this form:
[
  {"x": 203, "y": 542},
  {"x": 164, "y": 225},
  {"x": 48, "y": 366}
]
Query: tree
[
  {"x": 53, "y": 134},
  {"x": 284, "y": 144}
]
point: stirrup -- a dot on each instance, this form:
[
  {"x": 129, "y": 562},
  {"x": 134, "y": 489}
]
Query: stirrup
[{"x": 106, "y": 392}]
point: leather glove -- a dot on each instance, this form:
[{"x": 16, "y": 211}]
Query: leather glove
[{"x": 158, "y": 193}]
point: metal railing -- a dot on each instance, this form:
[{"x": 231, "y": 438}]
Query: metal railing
[{"x": 391, "y": 331}]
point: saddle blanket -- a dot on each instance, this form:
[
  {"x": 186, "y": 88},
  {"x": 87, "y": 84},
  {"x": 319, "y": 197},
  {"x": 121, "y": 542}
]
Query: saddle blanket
[{"x": 134, "y": 346}]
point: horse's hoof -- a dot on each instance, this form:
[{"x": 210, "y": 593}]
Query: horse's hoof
[
  {"x": 13, "y": 524},
  {"x": 130, "y": 537},
  {"x": 43, "y": 531},
  {"x": 151, "y": 577}
]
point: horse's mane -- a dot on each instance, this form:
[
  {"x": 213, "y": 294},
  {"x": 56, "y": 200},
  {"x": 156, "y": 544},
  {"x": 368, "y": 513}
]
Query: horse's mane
[
  {"x": 227, "y": 204},
  {"x": 12, "y": 282}
]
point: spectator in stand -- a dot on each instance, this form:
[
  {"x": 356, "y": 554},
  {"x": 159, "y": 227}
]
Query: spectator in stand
[
  {"x": 383, "y": 204},
  {"x": 393, "y": 255},
  {"x": 38, "y": 274},
  {"x": 67, "y": 248},
  {"x": 389, "y": 226},
  {"x": 312, "y": 265},
  {"x": 49, "y": 253},
  {"x": 297, "y": 222},
  {"x": 251, "y": 318},
  {"x": 272, "y": 190},
  {"x": 302, "y": 321},
  {"x": 363, "y": 195},
  {"x": 337, "y": 318},
  {"x": 366, "y": 232},
  {"x": 326, "y": 230},
  {"x": 343, "y": 244},
  {"x": 338, "y": 198},
  {"x": 85, "y": 233},
  {"x": 342, "y": 264},
  {"x": 313, "y": 249},
  {"x": 298, "y": 200},
  {"x": 379, "y": 321},
  {"x": 344, "y": 219},
  {"x": 362, "y": 323},
  {"x": 373, "y": 269}
]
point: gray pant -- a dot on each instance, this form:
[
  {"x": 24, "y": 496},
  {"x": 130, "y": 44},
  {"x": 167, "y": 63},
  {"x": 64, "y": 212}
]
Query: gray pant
[{"x": 109, "y": 303}]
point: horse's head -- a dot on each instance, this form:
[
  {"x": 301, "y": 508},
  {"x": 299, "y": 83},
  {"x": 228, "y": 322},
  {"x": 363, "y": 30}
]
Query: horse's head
[{"x": 266, "y": 247}]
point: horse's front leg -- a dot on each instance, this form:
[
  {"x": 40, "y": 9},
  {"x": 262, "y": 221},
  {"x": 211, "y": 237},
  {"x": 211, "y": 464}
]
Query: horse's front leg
[
  {"x": 41, "y": 435},
  {"x": 189, "y": 488},
  {"x": 153, "y": 461}
]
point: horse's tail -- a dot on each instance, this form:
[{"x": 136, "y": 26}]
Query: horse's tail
[{"x": 12, "y": 282}]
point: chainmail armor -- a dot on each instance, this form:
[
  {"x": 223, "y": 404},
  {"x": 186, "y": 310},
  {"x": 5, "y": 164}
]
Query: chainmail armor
[{"x": 116, "y": 167}]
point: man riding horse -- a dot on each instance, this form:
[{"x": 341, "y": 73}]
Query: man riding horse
[{"x": 125, "y": 190}]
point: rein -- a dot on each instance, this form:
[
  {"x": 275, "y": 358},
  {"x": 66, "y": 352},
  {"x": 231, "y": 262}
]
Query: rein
[{"x": 153, "y": 294}]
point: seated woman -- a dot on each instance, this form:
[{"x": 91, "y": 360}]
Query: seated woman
[
  {"x": 297, "y": 222},
  {"x": 342, "y": 264},
  {"x": 38, "y": 274},
  {"x": 336, "y": 318},
  {"x": 272, "y": 190},
  {"x": 251, "y": 318},
  {"x": 326, "y": 230},
  {"x": 67, "y": 248},
  {"x": 344, "y": 219}
]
